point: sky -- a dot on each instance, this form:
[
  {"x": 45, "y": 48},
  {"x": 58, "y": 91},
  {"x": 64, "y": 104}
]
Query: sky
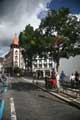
[
  {"x": 73, "y": 5},
  {"x": 16, "y": 14}
]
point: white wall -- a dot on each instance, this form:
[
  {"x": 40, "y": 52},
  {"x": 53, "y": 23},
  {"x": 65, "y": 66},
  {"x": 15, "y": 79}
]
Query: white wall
[
  {"x": 14, "y": 54},
  {"x": 70, "y": 65}
]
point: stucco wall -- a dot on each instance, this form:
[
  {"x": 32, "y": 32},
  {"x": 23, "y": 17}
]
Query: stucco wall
[{"x": 70, "y": 65}]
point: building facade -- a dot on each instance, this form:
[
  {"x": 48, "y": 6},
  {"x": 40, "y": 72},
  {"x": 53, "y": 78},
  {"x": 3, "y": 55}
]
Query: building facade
[
  {"x": 14, "y": 57},
  {"x": 43, "y": 65},
  {"x": 1, "y": 64}
]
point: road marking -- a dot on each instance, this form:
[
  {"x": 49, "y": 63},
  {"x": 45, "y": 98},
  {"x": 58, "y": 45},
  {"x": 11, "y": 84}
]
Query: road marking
[
  {"x": 2, "y": 106},
  {"x": 13, "y": 113},
  {"x": 2, "y": 109}
]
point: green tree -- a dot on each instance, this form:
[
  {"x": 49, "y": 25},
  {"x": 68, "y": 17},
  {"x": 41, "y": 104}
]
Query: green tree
[
  {"x": 28, "y": 42},
  {"x": 33, "y": 43},
  {"x": 64, "y": 29}
]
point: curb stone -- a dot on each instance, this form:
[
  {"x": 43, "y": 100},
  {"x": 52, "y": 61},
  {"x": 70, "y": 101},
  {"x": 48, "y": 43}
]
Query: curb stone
[{"x": 71, "y": 101}]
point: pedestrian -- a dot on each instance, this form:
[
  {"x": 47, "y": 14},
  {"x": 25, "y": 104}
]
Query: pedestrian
[
  {"x": 77, "y": 79},
  {"x": 46, "y": 81},
  {"x": 53, "y": 74},
  {"x": 53, "y": 78},
  {"x": 62, "y": 77},
  {"x": 72, "y": 78},
  {"x": 76, "y": 76},
  {"x": 34, "y": 76}
]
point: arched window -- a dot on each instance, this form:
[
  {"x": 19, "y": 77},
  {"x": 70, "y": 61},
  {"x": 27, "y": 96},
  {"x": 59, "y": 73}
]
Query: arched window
[
  {"x": 16, "y": 57},
  {"x": 16, "y": 52}
]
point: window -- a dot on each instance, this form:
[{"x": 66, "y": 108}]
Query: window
[
  {"x": 16, "y": 63},
  {"x": 16, "y": 57},
  {"x": 35, "y": 65},
  {"x": 45, "y": 65},
  {"x": 50, "y": 64},
  {"x": 40, "y": 65},
  {"x": 16, "y": 52}
]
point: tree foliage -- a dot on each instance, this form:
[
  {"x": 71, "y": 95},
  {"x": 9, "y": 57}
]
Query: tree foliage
[
  {"x": 33, "y": 43},
  {"x": 58, "y": 33},
  {"x": 28, "y": 42},
  {"x": 67, "y": 29}
]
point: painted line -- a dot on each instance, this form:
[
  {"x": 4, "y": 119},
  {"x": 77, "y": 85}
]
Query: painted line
[
  {"x": 2, "y": 106},
  {"x": 2, "y": 109},
  {"x": 5, "y": 90},
  {"x": 13, "y": 113}
]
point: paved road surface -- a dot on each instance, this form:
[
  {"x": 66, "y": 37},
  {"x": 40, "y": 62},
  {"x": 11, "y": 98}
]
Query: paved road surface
[{"x": 24, "y": 101}]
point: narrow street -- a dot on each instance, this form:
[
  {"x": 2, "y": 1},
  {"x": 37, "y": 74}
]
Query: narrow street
[{"x": 31, "y": 103}]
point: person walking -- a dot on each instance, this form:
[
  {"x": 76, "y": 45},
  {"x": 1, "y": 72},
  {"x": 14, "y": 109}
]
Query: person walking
[
  {"x": 46, "y": 81},
  {"x": 53, "y": 78},
  {"x": 72, "y": 78},
  {"x": 62, "y": 77},
  {"x": 77, "y": 79},
  {"x": 34, "y": 76},
  {"x": 79, "y": 84}
]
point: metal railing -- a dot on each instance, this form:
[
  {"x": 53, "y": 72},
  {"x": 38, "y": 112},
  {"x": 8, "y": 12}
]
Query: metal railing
[{"x": 70, "y": 84}]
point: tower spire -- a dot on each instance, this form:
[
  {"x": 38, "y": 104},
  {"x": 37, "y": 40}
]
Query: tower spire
[{"x": 15, "y": 40}]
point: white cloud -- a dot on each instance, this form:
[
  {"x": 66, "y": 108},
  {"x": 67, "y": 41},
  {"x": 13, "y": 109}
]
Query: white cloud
[
  {"x": 4, "y": 51},
  {"x": 78, "y": 16},
  {"x": 25, "y": 13}
]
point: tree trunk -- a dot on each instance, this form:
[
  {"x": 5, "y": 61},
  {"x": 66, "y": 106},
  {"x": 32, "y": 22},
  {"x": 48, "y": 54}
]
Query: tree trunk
[
  {"x": 57, "y": 65},
  {"x": 57, "y": 75}
]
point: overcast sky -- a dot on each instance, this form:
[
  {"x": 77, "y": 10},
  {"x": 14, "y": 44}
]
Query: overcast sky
[{"x": 16, "y": 14}]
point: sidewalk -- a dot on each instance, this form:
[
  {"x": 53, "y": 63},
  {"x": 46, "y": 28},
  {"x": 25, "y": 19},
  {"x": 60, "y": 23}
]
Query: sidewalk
[{"x": 72, "y": 96}]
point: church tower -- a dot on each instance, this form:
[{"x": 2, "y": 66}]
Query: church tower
[
  {"x": 14, "y": 57},
  {"x": 15, "y": 48}
]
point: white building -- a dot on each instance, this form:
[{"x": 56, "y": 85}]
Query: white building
[{"x": 45, "y": 65}]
